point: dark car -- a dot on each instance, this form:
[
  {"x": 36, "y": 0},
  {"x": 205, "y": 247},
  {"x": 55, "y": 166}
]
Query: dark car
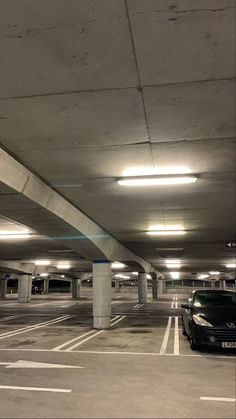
[
  {"x": 36, "y": 289},
  {"x": 209, "y": 319}
]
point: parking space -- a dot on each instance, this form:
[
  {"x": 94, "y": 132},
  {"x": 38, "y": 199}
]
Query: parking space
[{"x": 56, "y": 365}]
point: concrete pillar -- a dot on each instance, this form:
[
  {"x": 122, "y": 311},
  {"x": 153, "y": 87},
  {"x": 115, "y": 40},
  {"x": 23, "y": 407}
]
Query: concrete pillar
[
  {"x": 117, "y": 286},
  {"x": 142, "y": 288},
  {"x": 101, "y": 294},
  {"x": 222, "y": 284},
  {"x": 45, "y": 286},
  {"x": 3, "y": 289},
  {"x": 213, "y": 285},
  {"x": 160, "y": 286},
  {"x": 154, "y": 288},
  {"x": 75, "y": 288},
  {"x": 24, "y": 288}
]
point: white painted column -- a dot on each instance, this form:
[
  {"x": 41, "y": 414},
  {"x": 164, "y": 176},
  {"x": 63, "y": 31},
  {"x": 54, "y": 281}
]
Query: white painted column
[
  {"x": 117, "y": 287},
  {"x": 45, "y": 286},
  {"x": 222, "y": 284},
  {"x": 213, "y": 285},
  {"x": 142, "y": 288},
  {"x": 24, "y": 288},
  {"x": 154, "y": 288},
  {"x": 101, "y": 294},
  {"x": 3, "y": 289},
  {"x": 75, "y": 288}
]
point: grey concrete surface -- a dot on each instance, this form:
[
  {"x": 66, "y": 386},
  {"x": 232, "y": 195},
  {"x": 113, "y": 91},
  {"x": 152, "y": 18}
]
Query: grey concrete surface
[{"x": 125, "y": 371}]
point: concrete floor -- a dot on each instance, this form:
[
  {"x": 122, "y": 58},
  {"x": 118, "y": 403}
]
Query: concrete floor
[{"x": 133, "y": 370}]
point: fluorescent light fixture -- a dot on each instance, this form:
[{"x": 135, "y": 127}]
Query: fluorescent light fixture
[
  {"x": 43, "y": 274},
  {"x": 203, "y": 276},
  {"x": 122, "y": 276},
  {"x": 175, "y": 275},
  {"x": 214, "y": 272},
  {"x": 150, "y": 171},
  {"x": 14, "y": 234},
  {"x": 42, "y": 262},
  {"x": 231, "y": 265},
  {"x": 156, "y": 180},
  {"x": 166, "y": 233},
  {"x": 118, "y": 265},
  {"x": 149, "y": 276},
  {"x": 173, "y": 265},
  {"x": 63, "y": 266},
  {"x": 167, "y": 261},
  {"x": 62, "y": 276},
  {"x": 134, "y": 273}
]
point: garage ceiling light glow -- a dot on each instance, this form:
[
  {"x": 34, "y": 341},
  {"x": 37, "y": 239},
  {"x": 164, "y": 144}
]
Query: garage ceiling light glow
[
  {"x": 231, "y": 265},
  {"x": 156, "y": 180},
  {"x": 166, "y": 233},
  {"x": 43, "y": 274},
  {"x": 203, "y": 276},
  {"x": 214, "y": 272},
  {"x": 134, "y": 273},
  {"x": 122, "y": 276},
  {"x": 118, "y": 265},
  {"x": 168, "y": 261},
  {"x": 174, "y": 275},
  {"x": 173, "y": 265},
  {"x": 42, "y": 262},
  {"x": 63, "y": 266},
  {"x": 10, "y": 234},
  {"x": 150, "y": 171}
]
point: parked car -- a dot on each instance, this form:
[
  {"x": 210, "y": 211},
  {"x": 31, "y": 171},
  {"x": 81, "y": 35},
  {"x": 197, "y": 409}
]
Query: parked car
[
  {"x": 209, "y": 319},
  {"x": 36, "y": 289}
]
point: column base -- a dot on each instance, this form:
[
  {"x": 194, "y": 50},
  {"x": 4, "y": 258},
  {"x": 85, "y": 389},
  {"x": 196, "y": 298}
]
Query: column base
[{"x": 101, "y": 322}]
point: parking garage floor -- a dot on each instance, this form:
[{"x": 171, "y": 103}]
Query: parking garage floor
[{"x": 54, "y": 365}]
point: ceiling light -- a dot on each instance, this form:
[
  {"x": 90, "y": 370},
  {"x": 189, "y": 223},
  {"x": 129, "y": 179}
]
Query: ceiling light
[
  {"x": 172, "y": 261},
  {"x": 134, "y": 273},
  {"x": 63, "y": 266},
  {"x": 203, "y": 276},
  {"x": 231, "y": 265},
  {"x": 42, "y": 262},
  {"x": 62, "y": 276},
  {"x": 156, "y": 180},
  {"x": 214, "y": 272},
  {"x": 166, "y": 233},
  {"x": 150, "y": 171},
  {"x": 10, "y": 234},
  {"x": 149, "y": 276},
  {"x": 118, "y": 265},
  {"x": 122, "y": 276},
  {"x": 174, "y": 275},
  {"x": 173, "y": 265},
  {"x": 43, "y": 274}
]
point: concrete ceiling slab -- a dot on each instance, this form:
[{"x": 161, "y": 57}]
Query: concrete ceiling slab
[{"x": 180, "y": 41}]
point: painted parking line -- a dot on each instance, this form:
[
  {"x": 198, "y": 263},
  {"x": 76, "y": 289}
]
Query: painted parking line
[
  {"x": 176, "y": 337},
  {"x": 52, "y": 390},
  {"x": 4, "y": 319},
  {"x": 88, "y": 335},
  {"x": 219, "y": 399},
  {"x": 166, "y": 337},
  {"x": 34, "y": 327}
]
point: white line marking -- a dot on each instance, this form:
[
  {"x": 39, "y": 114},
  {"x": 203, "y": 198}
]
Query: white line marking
[
  {"x": 166, "y": 337},
  {"x": 31, "y": 364},
  {"x": 176, "y": 340},
  {"x": 53, "y": 390},
  {"x": 172, "y": 304},
  {"x": 117, "y": 321},
  {"x": 176, "y": 304},
  {"x": 4, "y": 319},
  {"x": 57, "y": 348},
  {"x": 83, "y": 341},
  {"x": 37, "y": 326},
  {"x": 218, "y": 399}
]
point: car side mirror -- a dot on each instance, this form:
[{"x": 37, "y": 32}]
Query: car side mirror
[{"x": 186, "y": 305}]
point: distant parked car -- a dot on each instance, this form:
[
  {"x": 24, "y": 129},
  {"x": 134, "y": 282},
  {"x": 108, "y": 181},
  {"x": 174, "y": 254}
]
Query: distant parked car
[
  {"x": 209, "y": 318},
  {"x": 36, "y": 289}
]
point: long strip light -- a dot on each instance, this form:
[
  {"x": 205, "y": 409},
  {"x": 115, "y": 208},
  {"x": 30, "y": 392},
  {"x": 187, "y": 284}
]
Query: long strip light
[
  {"x": 156, "y": 180},
  {"x": 118, "y": 265},
  {"x": 203, "y": 276},
  {"x": 214, "y": 272},
  {"x": 63, "y": 266},
  {"x": 42, "y": 262},
  {"x": 10, "y": 234},
  {"x": 166, "y": 232},
  {"x": 231, "y": 265}
]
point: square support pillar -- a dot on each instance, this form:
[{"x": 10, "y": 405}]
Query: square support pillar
[
  {"x": 154, "y": 288},
  {"x": 101, "y": 294},
  {"x": 3, "y": 288},
  {"x": 75, "y": 288}
]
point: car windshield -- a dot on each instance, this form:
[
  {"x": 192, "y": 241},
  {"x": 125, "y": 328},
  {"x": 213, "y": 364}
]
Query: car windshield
[{"x": 215, "y": 300}]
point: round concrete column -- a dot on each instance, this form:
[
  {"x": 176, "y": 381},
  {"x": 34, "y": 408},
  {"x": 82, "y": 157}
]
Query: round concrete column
[
  {"x": 24, "y": 288},
  {"x": 3, "y": 288},
  {"x": 160, "y": 286},
  {"x": 45, "y": 286},
  {"x": 101, "y": 294},
  {"x": 75, "y": 288},
  {"x": 154, "y": 288},
  {"x": 142, "y": 288},
  {"x": 117, "y": 287}
]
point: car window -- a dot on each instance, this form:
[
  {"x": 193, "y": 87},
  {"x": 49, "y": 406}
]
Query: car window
[{"x": 215, "y": 300}]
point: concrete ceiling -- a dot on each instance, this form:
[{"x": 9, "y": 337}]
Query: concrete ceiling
[{"x": 91, "y": 88}]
